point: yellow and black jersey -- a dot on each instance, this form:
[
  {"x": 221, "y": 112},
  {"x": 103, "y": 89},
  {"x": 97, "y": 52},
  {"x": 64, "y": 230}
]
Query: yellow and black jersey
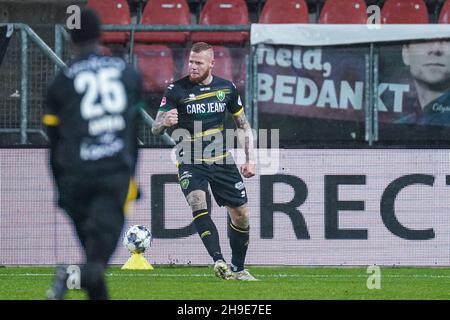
[
  {"x": 201, "y": 113},
  {"x": 91, "y": 116}
]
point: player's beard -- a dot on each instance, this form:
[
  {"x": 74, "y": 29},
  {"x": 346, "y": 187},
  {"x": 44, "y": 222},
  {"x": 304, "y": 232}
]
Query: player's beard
[{"x": 199, "y": 79}]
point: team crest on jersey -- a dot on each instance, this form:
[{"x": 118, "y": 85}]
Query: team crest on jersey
[
  {"x": 163, "y": 102},
  {"x": 220, "y": 95}
]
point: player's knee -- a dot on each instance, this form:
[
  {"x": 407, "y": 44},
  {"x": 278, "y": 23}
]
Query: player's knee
[{"x": 240, "y": 216}]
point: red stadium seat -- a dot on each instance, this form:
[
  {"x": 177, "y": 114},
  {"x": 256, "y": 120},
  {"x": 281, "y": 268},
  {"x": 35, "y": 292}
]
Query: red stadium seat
[
  {"x": 239, "y": 76},
  {"x": 344, "y": 12},
  {"x": 223, "y": 66},
  {"x": 223, "y": 12},
  {"x": 171, "y": 12},
  {"x": 444, "y": 17},
  {"x": 288, "y": 11},
  {"x": 157, "y": 66},
  {"x": 404, "y": 12},
  {"x": 112, "y": 12}
]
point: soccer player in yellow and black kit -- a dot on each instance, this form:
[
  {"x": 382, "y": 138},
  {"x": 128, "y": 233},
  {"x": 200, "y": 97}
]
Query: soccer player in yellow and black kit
[
  {"x": 196, "y": 106},
  {"x": 91, "y": 117}
]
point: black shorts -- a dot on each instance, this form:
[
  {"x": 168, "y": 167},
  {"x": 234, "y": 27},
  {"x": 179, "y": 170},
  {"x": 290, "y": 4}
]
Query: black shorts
[
  {"x": 96, "y": 206},
  {"x": 77, "y": 193},
  {"x": 225, "y": 181}
]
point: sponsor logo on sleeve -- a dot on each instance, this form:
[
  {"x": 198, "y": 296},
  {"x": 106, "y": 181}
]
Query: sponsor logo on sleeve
[
  {"x": 239, "y": 101},
  {"x": 163, "y": 102},
  {"x": 239, "y": 185}
]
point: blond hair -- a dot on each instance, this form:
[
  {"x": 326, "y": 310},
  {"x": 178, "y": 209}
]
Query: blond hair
[{"x": 200, "y": 46}]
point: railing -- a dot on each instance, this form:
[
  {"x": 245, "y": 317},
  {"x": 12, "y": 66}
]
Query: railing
[
  {"x": 62, "y": 37},
  {"x": 25, "y": 33}
]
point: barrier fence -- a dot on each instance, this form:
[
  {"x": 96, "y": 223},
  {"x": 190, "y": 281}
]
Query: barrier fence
[{"x": 319, "y": 207}]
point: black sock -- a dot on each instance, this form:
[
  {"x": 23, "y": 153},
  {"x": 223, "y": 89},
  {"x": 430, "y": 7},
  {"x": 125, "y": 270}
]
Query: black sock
[
  {"x": 93, "y": 281},
  {"x": 101, "y": 231},
  {"x": 208, "y": 233},
  {"x": 239, "y": 243}
]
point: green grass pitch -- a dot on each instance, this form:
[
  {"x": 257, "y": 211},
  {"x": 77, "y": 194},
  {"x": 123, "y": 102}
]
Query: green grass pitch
[{"x": 277, "y": 283}]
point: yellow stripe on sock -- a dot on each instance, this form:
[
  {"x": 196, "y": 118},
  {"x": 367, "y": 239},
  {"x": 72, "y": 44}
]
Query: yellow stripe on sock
[
  {"x": 237, "y": 229},
  {"x": 201, "y": 214},
  {"x": 204, "y": 234}
]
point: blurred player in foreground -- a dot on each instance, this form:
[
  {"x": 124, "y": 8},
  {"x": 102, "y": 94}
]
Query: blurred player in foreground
[{"x": 91, "y": 118}]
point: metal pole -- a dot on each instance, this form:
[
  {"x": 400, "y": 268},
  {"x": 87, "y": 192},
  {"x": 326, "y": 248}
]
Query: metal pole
[
  {"x": 131, "y": 54},
  {"x": 248, "y": 87},
  {"x": 149, "y": 121},
  {"x": 375, "y": 95},
  {"x": 23, "y": 87},
  {"x": 132, "y": 57},
  {"x": 369, "y": 96},
  {"x": 64, "y": 33},
  {"x": 255, "y": 87},
  {"x": 41, "y": 44},
  {"x": 58, "y": 44}
]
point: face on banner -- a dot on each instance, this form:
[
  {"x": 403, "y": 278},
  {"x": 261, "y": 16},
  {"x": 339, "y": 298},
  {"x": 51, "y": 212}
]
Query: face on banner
[
  {"x": 425, "y": 112},
  {"x": 429, "y": 64}
]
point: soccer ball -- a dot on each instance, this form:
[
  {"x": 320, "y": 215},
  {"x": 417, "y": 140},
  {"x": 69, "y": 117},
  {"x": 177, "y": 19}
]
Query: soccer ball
[{"x": 137, "y": 239}]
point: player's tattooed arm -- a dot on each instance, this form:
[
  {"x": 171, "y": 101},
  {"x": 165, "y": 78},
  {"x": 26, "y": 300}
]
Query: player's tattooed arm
[
  {"x": 245, "y": 137},
  {"x": 158, "y": 125},
  {"x": 164, "y": 120}
]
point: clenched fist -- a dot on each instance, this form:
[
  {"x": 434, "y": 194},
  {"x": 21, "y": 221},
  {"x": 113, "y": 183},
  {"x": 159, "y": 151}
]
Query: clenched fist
[
  {"x": 248, "y": 169},
  {"x": 171, "y": 118}
]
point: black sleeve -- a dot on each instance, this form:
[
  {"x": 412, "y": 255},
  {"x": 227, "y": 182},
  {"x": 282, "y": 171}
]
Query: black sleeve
[
  {"x": 169, "y": 100},
  {"x": 235, "y": 106}
]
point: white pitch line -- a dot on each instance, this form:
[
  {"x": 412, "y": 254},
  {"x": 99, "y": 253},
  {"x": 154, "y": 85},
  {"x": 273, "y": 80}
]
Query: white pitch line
[{"x": 261, "y": 276}]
